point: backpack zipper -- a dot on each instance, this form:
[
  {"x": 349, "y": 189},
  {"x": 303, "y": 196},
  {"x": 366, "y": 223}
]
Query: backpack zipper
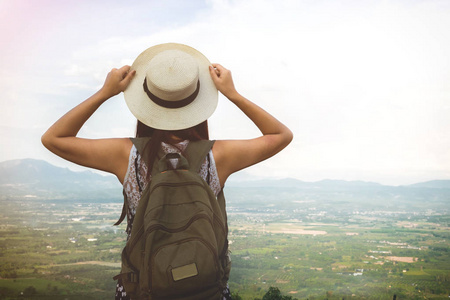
[
  {"x": 191, "y": 220},
  {"x": 175, "y": 184}
]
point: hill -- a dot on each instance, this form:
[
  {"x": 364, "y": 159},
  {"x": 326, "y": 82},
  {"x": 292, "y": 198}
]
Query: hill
[
  {"x": 38, "y": 179},
  {"x": 291, "y": 182},
  {"x": 241, "y": 180},
  {"x": 33, "y": 178},
  {"x": 433, "y": 184}
]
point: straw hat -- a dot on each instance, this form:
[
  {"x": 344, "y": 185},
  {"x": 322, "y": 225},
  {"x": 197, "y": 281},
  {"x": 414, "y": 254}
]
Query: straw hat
[{"x": 172, "y": 88}]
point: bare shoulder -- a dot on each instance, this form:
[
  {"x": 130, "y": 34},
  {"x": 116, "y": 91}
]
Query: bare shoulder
[
  {"x": 234, "y": 155},
  {"x": 119, "y": 153},
  {"x": 126, "y": 144}
]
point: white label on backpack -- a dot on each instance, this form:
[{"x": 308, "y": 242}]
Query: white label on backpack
[{"x": 184, "y": 272}]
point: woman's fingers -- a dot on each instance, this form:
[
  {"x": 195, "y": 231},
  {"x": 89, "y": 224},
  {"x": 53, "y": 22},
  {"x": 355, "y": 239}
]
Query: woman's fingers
[
  {"x": 117, "y": 80},
  {"x": 223, "y": 80},
  {"x": 127, "y": 78}
]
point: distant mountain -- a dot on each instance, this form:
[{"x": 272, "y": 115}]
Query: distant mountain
[
  {"x": 295, "y": 183},
  {"x": 433, "y": 184},
  {"x": 340, "y": 194},
  {"x": 286, "y": 182},
  {"x": 39, "y": 179},
  {"x": 242, "y": 181}
]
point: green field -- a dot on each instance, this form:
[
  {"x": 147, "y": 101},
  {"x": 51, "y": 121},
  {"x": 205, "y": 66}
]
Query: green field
[{"x": 66, "y": 250}]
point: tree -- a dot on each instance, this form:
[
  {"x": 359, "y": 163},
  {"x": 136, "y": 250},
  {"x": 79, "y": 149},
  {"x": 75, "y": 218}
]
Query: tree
[
  {"x": 274, "y": 293},
  {"x": 29, "y": 291},
  {"x": 235, "y": 296}
]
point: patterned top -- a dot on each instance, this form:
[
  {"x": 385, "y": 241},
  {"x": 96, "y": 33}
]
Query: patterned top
[{"x": 133, "y": 179}]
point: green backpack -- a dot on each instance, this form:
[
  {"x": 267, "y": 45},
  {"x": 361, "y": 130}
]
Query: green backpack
[{"x": 178, "y": 247}]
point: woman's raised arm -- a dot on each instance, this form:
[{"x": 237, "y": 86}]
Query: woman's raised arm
[
  {"x": 110, "y": 155},
  {"x": 234, "y": 155}
]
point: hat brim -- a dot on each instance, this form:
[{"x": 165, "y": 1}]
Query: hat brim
[{"x": 158, "y": 117}]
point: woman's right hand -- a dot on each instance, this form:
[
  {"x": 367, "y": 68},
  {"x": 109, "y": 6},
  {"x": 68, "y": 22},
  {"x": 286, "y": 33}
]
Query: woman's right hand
[
  {"x": 117, "y": 81},
  {"x": 223, "y": 80}
]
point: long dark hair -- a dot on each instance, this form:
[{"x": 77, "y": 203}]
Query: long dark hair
[{"x": 196, "y": 133}]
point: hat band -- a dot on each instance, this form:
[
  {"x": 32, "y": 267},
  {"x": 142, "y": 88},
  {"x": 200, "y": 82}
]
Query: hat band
[{"x": 171, "y": 104}]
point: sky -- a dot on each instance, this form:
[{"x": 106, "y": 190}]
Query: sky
[{"x": 363, "y": 85}]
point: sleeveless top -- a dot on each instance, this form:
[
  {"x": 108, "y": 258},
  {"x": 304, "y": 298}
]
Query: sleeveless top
[{"x": 136, "y": 179}]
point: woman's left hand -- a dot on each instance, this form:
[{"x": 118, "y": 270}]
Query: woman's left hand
[{"x": 117, "y": 81}]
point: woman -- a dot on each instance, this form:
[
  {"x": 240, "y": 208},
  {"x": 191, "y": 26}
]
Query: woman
[{"x": 172, "y": 90}]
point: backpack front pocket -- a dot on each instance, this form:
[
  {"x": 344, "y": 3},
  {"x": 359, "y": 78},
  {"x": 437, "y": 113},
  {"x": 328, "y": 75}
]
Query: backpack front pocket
[{"x": 190, "y": 266}]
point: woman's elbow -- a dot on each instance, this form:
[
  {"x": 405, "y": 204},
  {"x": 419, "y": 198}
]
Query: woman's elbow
[
  {"x": 289, "y": 136},
  {"x": 47, "y": 140},
  {"x": 276, "y": 143}
]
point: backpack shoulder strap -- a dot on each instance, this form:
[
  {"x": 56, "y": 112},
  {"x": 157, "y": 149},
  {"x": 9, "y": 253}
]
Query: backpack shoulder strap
[
  {"x": 124, "y": 209},
  {"x": 140, "y": 144},
  {"x": 196, "y": 153}
]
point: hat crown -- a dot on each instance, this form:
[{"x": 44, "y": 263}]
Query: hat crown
[
  {"x": 172, "y": 88},
  {"x": 172, "y": 75}
]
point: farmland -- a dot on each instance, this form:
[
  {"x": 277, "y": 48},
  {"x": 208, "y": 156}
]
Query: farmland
[{"x": 309, "y": 249}]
